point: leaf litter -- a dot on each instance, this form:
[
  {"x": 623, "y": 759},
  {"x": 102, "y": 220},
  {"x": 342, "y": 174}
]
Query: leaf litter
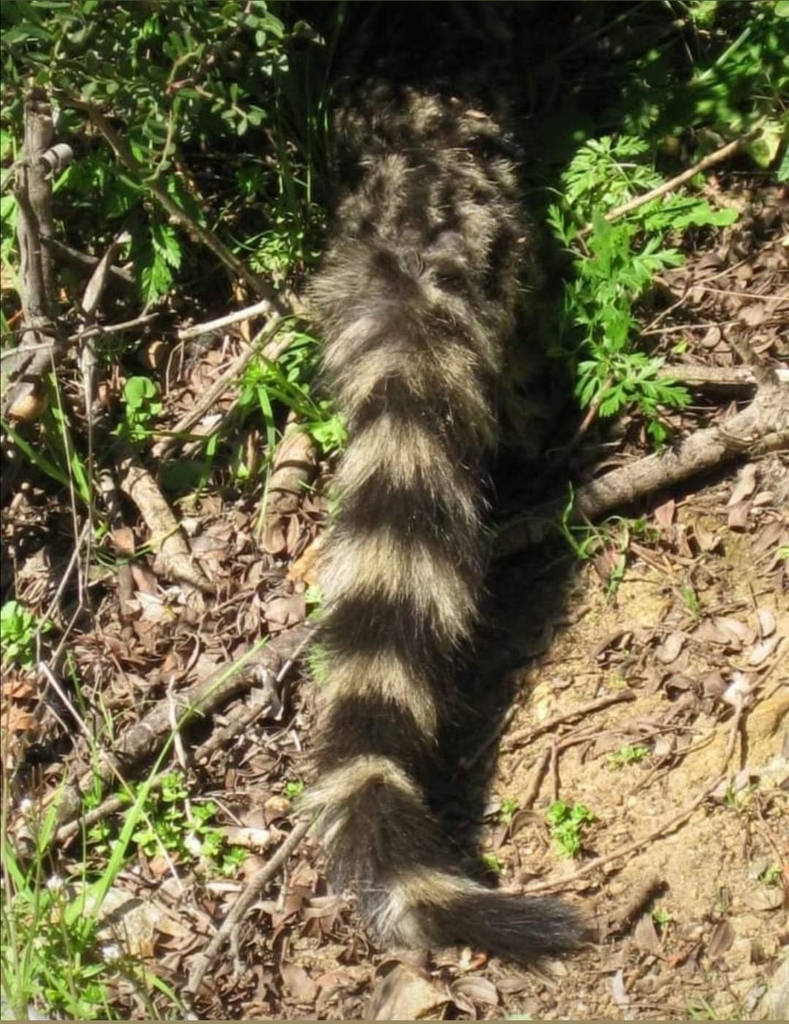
[{"x": 691, "y": 640}]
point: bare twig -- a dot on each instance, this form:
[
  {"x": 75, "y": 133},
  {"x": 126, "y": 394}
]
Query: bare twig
[
  {"x": 146, "y": 737},
  {"x": 718, "y": 378},
  {"x": 261, "y": 308},
  {"x": 40, "y": 336},
  {"x": 173, "y": 556},
  {"x": 636, "y": 901},
  {"x": 524, "y": 736},
  {"x": 718, "y": 156},
  {"x": 761, "y": 426},
  {"x": 256, "y": 886},
  {"x": 535, "y": 782},
  {"x": 83, "y": 260}
]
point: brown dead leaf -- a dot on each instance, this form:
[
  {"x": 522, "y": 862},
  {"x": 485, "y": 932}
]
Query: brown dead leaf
[
  {"x": 470, "y": 989},
  {"x": 745, "y": 486},
  {"x": 765, "y": 898},
  {"x": 768, "y": 537},
  {"x": 671, "y": 648},
  {"x": 18, "y": 721},
  {"x": 741, "y": 630},
  {"x": 707, "y": 538},
  {"x": 738, "y": 514},
  {"x": 276, "y": 807},
  {"x": 304, "y": 568},
  {"x": 753, "y": 314},
  {"x": 273, "y": 540},
  {"x": 405, "y": 995},
  {"x": 144, "y": 577},
  {"x": 760, "y": 652},
  {"x": 298, "y": 984},
  {"x": 285, "y": 611},
  {"x": 665, "y": 513},
  {"x": 713, "y": 685},
  {"x": 645, "y": 934},
  {"x": 766, "y": 622},
  {"x": 722, "y": 938}
]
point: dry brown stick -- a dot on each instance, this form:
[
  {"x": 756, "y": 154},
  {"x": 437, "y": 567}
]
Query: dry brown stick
[
  {"x": 145, "y": 738},
  {"x": 524, "y": 736},
  {"x": 253, "y": 890},
  {"x": 277, "y": 303},
  {"x": 636, "y": 901},
  {"x": 723, "y": 378},
  {"x": 710, "y": 160},
  {"x": 761, "y": 426},
  {"x": 111, "y": 805},
  {"x": 84, "y": 261},
  {"x": 172, "y": 554},
  {"x": 535, "y": 782},
  {"x": 40, "y": 338},
  {"x": 665, "y": 827},
  {"x": 705, "y": 449},
  {"x": 262, "y": 308}
]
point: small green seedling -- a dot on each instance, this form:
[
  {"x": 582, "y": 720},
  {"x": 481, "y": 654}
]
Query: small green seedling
[
  {"x": 142, "y": 406},
  {"x": 690, "y": 597},
  {"x": 628, "y": 755},
  {"x": 492, "y": 863},
  {"x": 509, "y": 807},
  {"x": 294, "y": 789},
  {"x": 567, "y": 824},
  {"x": 771, "y": 875}
]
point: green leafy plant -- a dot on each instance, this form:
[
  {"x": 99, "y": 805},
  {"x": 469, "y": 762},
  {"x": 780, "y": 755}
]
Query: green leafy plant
[
  {"x": 614, "y": 264},
  {"x": 567, "y": 824},
  {"x": 492, "y": 863},
  {"x": 691, "y": 599},
  {"x": 142, "y": 405},
  {"x": 662, "y": 917},
  {"x": 508, "y": 809},
  {"x": 18, "y": 630},
  {"x": 52, "y": 956},
  {"x": 293, "y": 789},
  {"x": 289, "y": 381},
  {"x": 628, "y": 755}
]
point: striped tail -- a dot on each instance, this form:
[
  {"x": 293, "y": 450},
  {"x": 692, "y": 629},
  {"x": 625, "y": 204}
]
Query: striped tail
[{"x": 404, "y": 565}]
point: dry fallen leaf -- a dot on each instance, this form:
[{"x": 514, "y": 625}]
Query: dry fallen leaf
[
  {"x": 404, "y": 995},
  {"x": 671, "y": 648},
  {"x": 298, "y": 983},
  {"x": 745, "y": 486}
]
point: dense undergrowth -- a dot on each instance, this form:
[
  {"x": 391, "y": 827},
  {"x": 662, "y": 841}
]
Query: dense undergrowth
[{"x": 196, "y": 121}]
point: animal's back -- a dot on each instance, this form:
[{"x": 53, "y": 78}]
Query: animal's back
[{"x": 416, "y": 301}]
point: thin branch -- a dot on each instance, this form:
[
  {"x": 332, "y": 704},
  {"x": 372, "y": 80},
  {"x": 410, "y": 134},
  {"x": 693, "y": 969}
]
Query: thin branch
[
  {"x": 259, "y": 308},
  {"x": 524, "y": 736},
  {"x": 762, "y": 426},
  {"x": 718, "y": 156},
  {"x": 256, "y": 886},
  {"x": 83, "y": 260}
]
